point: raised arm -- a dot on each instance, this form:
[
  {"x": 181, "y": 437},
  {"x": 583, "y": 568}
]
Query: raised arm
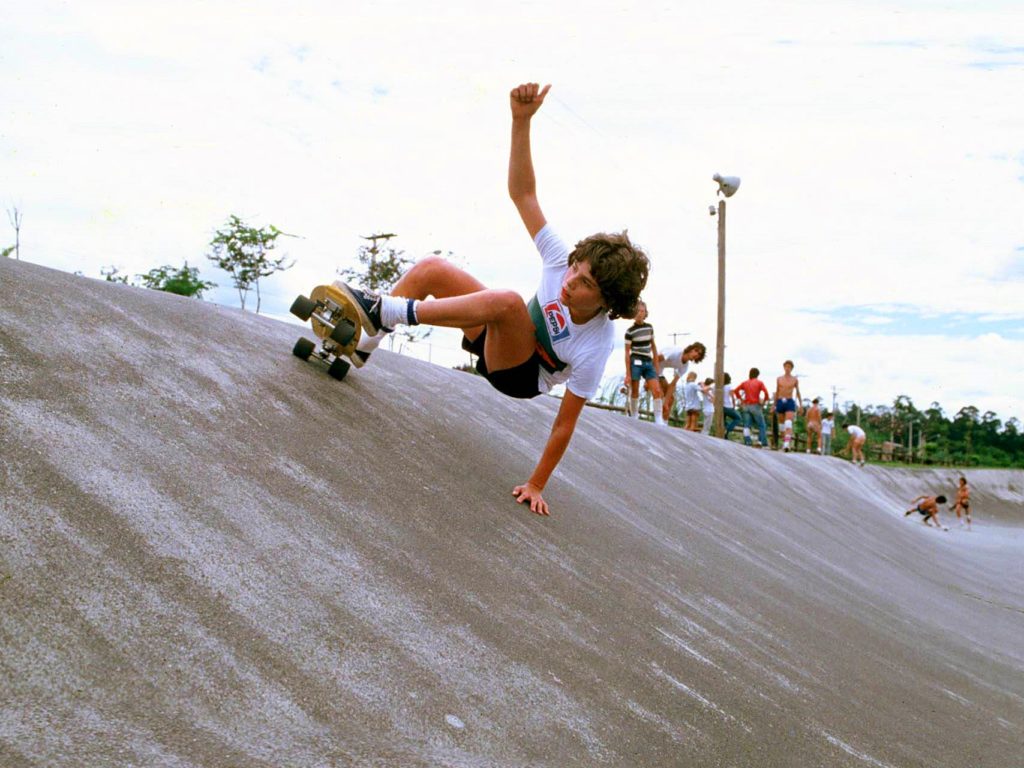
[{"x": 525, "y": 100}]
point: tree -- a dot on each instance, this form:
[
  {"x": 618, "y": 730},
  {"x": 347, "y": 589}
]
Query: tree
[
  {"x": 112, "y": 275},
  {"x": 6, "y": 252},
  {"x": 244, "y": 253},
  {"x": 15, "y": 216},
  {"x": 183, "y": 281},
  {"x": 381, "y": 268}
]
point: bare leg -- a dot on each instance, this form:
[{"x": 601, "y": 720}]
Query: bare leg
[{"x": 462, "y": 301}]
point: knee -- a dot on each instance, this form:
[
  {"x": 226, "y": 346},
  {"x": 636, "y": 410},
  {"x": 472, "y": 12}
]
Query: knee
[
  {"x": 508, "y": 304},
  {"x": 429, "y": 268}
]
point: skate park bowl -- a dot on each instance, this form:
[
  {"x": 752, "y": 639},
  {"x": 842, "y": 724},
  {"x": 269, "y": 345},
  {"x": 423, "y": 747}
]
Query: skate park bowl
[{"x": 213, "y": 554}]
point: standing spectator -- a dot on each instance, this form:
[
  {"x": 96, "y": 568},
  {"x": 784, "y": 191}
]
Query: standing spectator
[
  {"x": 786, "y": 408},
  {"x": 827, "y": 425},
  {"x": 814, "y": 427},
  {"x": 691, "y": 401},
  {"x": 754, "y": 395},
  {"x": 707, "y": 390},
  {"x": 732, "y": 416},
  {"x": 641, "y": 357}
]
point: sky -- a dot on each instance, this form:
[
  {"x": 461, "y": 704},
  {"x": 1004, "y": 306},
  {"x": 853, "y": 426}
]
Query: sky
[{"x": 876, "y": 239}]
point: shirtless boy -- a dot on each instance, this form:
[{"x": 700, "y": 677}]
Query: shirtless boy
[
  {"x": 563, "y": 336},
  {"x": 814, "y": 426},
  {"x": 929, "y": 507},
  {"x": 785, "y": 407},
  {"x": 963, "y": 502},
  {"x": 641, "y": 357}
]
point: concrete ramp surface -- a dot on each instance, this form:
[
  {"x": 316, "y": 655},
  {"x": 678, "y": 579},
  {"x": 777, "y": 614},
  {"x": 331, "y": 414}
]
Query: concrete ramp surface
[{"x": 212, "y": 554}]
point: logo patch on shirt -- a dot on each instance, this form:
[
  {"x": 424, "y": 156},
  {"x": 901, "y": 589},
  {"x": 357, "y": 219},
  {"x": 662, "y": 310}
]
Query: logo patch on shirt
[{"x": 558, "y": 327}]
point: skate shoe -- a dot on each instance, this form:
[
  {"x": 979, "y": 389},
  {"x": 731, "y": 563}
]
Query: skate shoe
[{"x": 367, "y": 304}]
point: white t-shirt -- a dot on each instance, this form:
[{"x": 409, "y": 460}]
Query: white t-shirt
[
  {"x": 826, "y": 426},
  {"x": 674, "y": 359},
  {"x": 855, "y": 431},
  {"x": 584, "y": 348},
  {"x": 709, "y": 400}
]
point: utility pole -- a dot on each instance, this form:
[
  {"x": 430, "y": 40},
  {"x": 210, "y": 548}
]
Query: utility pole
[
  {"x": 727, "y": 186},
  {"x": 720, "y": 337},
  {"x": 374, "y": 238}
]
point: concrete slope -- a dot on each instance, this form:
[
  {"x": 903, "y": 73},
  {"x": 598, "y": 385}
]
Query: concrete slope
[{"x": 212, "y": 554}]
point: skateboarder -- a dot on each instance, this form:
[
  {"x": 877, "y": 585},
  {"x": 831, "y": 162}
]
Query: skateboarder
[
  {"x": 563, "y": 336},
  {"x": 963, "y": 503},
  {"x": 929, "y": 507},
  {"x": 785, "y": 407}
]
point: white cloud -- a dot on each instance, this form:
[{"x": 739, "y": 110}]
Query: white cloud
[{"x": 881, "y": 166}]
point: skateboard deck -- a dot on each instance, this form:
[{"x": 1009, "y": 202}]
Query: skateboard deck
[{"x": 335, "y": 323}]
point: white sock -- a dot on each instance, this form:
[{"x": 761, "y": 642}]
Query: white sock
[
  {"x": 368, "y": 343},
  {"x": 634, "y": 406},
  {"x": 396, "y": 310},
  {"x": 657, "y": 412}
]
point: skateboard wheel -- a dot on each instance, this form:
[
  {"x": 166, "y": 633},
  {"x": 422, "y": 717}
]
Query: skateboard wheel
[
  {"x": 303, "y": 348},
  {"x": 343, "y": 333},
  {"x": 338, "y": 369},
  {"x": 302, "y": 308}
]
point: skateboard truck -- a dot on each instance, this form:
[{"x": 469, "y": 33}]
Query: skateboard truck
[{"x": 334, "y": 321}]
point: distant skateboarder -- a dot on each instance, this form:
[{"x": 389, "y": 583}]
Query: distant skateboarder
[
  {"x": 564, "y": 335},
  {"x": 963, "y": 503},
  {"x": 929, "y": 507}
]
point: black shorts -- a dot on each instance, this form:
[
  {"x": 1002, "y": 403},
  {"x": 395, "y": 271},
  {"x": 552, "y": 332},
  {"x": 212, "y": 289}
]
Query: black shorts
[{"x": 520, "y": 381}]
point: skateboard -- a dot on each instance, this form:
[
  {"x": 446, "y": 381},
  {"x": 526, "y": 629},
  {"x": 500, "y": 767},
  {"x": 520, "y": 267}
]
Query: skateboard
[{"x": 335, "y": 323}]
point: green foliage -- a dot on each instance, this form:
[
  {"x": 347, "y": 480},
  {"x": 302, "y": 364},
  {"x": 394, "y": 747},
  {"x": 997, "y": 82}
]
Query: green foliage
[
  {"x": 6, "y": 252},
  {"x": 244, "y": 253},
  {"x": 184, "y": 280},
  {"x": 970, "y": 438},
  {"x": 380, "y": 267},
  {"x": 112, "y": 275}
]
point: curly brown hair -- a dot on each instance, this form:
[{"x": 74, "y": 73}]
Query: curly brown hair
[
  {"x": 700, "y": 348},
  {"x": 619, "y": 267}
]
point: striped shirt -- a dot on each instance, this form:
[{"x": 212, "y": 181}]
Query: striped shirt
[{"x": 640, "y": 336}]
